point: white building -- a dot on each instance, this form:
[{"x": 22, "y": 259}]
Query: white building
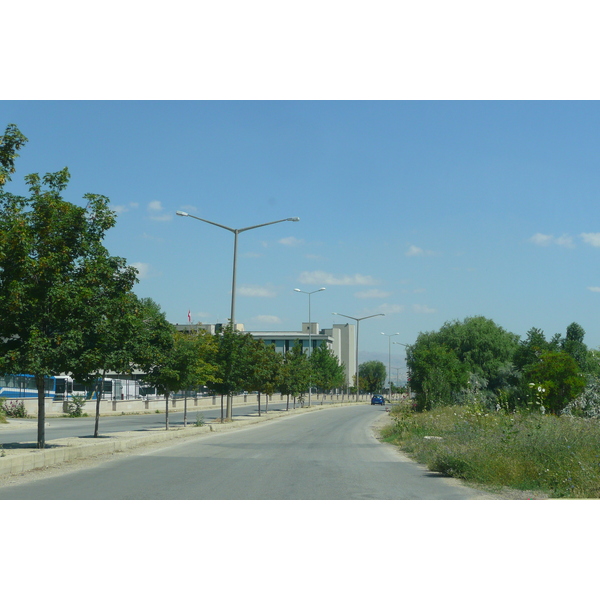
[{"x": 341, "y": 339}]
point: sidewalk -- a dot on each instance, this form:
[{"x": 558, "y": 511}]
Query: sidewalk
[{"x": 21, "y": 457}]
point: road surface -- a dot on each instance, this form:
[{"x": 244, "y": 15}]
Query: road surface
[{"x": 329, "y": 454}]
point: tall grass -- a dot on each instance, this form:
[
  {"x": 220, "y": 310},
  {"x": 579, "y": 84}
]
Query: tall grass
[{"x": 557, "y": 455}]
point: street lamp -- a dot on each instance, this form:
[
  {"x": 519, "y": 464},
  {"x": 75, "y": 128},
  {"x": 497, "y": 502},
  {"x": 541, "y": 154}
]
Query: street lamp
[
  {"x": 180, "y": 213},
  {"x": 390, "y": 336},
  {"x": 309, "y": 294},
  {"x": 235, "y": 232},
  {"x": 358, "y": 320},
  {"x": 407, "y": 376}
]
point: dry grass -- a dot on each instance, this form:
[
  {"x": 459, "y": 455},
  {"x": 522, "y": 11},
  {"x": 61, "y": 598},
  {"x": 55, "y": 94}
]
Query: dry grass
[{"x": 556, "y": 455}]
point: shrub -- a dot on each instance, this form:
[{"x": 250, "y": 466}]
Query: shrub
[
  {"x": 75, "y": 406},
  {"x": 15, "y": 409}
]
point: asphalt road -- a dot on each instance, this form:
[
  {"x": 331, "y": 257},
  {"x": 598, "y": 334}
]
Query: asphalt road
[{"x": 322, "y": 455}]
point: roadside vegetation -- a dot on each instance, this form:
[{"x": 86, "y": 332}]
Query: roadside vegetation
[{"x": 491, "y": 409}]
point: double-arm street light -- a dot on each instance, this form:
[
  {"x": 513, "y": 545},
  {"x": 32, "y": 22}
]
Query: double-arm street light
[
  {"x": 358, "y": 320},
  {"x": 390, "y": 336},
  {"x": 235, "y": 232},
  {"x": 309, "y": 294}
]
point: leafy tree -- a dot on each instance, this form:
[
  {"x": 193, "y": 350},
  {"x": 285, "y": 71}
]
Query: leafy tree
[
  {"x": 372, "y": 376},
  {"x": 51, "y": 261},
  {"x": 265, "y": 366},
  {"x": 233, "y": 364},
  {"x": 436, "y": 373},
  {"x": 295, "y": 372},
  {"x": 111, "y": 336},
  {"x": 559, "y": 376},
  {"x": 10, "y": 142},
  {"x": 155, "y": 351},
  {"x": 574, "y": 346},
  {"x": 483, "y": 347},
  {"x": 327, "y": 372}
]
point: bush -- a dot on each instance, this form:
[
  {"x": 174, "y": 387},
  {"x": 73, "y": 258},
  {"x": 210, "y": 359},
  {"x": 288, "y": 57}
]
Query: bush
[
  {"x": 15, "y": 409},
  {"x": 75, "y": 406}
]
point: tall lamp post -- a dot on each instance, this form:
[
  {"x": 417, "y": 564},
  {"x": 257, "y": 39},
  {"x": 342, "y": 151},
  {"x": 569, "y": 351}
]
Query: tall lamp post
[
  {"x": 389, "y": 337},
  {"x": 407, "y": 378},
  {"x": 235, "y": 232},
  {"x": 358, "y": 320},
  {"x": 309, "y": 294}
]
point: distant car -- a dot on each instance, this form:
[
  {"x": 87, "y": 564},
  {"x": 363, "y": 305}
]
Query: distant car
[{"x": 377, "y": 400}]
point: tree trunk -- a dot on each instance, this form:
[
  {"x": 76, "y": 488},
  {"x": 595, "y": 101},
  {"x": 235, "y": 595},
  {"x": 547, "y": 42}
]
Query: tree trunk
[
  {"x": 287, "y": 407},
  {"x": 259, "y": 404},
  {"x": 166, "y": 411},
  {"x": 221, "y": 408},
  {"x": 98, "y": 400},
  {"x": 41, "y": 437},
  {"x": 185, "y": 410},
  {"x": 267, "y": 404}
]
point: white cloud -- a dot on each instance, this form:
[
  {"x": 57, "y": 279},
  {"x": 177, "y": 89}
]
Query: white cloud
[
  {"x": 594, "y": 289},
  {"x": 120, "y": 209},
  {"x": 163, "y": 217},
  {"x": 268, "y": 319},
  {"x": 390, "y": 309},
  {"x": 291, "y": 241},
  {"x": 322, "y": 278},
  {"x": 143, "y": 269},
  {"x": 591, "y": 238},
  {"x": 255, "y": 291},
  {"x": 542, "y": 239},
  {"x": 372, "y": 294},
  {"x": 416, "y": 251},
  {"x": 156, "y": 207},
  {"x": 422, "y": 309}
]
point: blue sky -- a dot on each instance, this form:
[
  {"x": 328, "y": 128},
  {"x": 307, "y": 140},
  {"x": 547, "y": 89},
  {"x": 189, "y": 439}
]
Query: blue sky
[{"x": 424, "y": 211}]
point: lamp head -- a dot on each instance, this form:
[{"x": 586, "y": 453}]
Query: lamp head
[{"x": 180, "y": 213}]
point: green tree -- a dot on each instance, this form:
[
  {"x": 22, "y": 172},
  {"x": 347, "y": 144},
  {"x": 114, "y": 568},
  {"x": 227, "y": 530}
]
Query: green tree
[
  {"x": 371, "y": 375},
  {"x": 111, "y": 336},
  {"x": 484, "y": 348},
  {"x": 265, "y": 367},
  {"x": 327, "y": 372},
  {"x": 155, "y": 351},
  {"x": 295, "y": 372},
  {"x": 559, "y": 376},
  {"x": 233, "y": 358},
  {"x": 436, "y": 373},
  {"x": 574, "y": 346},
  {"x": 51, "y": 261}
]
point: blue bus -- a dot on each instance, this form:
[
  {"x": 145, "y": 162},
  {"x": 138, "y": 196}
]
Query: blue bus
[{"x": 58, "y": 387}]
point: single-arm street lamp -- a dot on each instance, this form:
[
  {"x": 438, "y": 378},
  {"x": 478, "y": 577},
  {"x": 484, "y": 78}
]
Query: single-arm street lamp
[
  {"x": 309, "y": 294},
  {"x": 390, "y": 336},
  {"x": 235, "y": 232},
  {"x": 358, "y": 320}
]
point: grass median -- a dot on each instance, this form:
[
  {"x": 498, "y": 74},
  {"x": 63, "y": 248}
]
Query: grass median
[{"x": 559, "y": 456}]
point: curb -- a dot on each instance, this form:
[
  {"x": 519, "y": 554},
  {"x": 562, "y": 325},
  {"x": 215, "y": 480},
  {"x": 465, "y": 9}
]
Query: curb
[{"x": 75, "y": 448}]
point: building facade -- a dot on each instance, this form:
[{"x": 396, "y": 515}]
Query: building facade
[{"x": 340, "y": 338}]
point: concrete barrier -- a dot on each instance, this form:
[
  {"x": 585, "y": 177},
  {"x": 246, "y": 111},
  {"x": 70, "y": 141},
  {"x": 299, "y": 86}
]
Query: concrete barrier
[{"x": 150, "y": 404}]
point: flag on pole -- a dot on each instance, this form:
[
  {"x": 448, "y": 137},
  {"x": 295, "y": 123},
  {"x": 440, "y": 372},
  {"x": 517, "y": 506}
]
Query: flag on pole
[{"x": 189, "y": 316}]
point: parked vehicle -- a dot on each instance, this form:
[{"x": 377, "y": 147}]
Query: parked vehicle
[{"x": 377, "y": 400}]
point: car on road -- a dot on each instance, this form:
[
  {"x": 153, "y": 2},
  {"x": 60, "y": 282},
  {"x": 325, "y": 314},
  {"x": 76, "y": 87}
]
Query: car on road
[{"x": 377, "y": 400}]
